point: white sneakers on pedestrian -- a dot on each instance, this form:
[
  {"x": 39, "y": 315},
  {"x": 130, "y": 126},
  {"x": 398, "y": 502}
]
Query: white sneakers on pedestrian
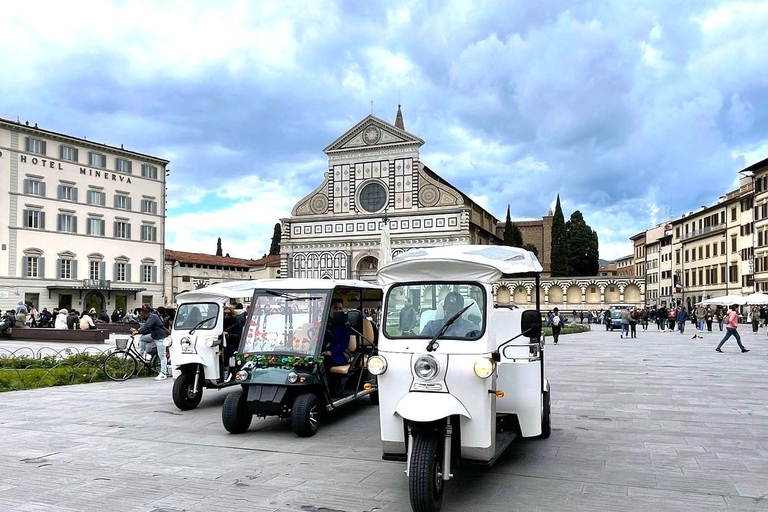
[{"x": 161, "y": 376}]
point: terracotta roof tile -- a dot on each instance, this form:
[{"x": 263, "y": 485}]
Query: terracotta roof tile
[{"x": 209, "y": 259}]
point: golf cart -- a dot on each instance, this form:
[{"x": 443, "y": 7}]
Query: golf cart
[
  {"x": 469, "y": 379},
  {"x": 282, "y": 362},
  {"x": 201, "y": 349}
]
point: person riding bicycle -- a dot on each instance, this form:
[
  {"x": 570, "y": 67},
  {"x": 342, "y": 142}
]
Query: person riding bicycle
[{"x": 152, "y": 331}]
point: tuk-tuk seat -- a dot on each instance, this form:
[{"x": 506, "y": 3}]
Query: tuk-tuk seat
[{"x": 344, "y": 369}]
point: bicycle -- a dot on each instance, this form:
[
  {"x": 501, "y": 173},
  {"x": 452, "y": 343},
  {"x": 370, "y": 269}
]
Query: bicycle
[{"x": 123, "y": 363}]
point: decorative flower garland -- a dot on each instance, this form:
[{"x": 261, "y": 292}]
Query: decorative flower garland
[{"x": 265, "y": 361}]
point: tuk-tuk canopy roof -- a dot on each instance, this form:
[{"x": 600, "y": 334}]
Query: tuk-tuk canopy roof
[
  {"x": 482, "y": 263},
  {"x": 228, "y": 290},
  {"x": 298, "y": 283}
]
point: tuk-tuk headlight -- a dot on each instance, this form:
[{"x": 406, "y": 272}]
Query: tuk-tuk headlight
[
  {"x": 167, "y": 341},
  {"x": 377, "y": 365},
  {"x": 241, "y": 376},
  {"x": 293, "y": 377},
  {"x": 426, "y": 367},
  {"x": 484, "y": 367},
  {"x": 212, "y": 341}
]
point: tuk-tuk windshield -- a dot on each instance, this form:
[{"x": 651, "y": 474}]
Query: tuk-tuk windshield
[
  {"x": 285, "y": 321},
  {"x": 419, "y": 311},
  {"x": 192, "y": 314}
]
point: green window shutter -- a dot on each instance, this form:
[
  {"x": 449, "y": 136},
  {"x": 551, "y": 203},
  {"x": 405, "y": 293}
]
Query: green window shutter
[
  {"x": 41, "y": 267},
  {"x": 43, "y": 147},
  {"x": 128, "y": 203},
  {"x": 27, "y": 186},
  {"x": 25, "y": 213},
  {"x": 59, "y": 222},
  {"x": 27, "y": 146},
  {"x": 74, "y": 269},
  {"x": 102, "y": 224},
  {"x": 42, "y": 188},
  {"x": 58, "y": 268},
  {"x": 128, "y": 272},
  {"x": 74, "y": 224},
  {"x": 102, "y": 270},
  {"x": 128, "y": 231},
  {"x": 24, "y": 267},
  {"x": 114, "y": 271},
  {"x": 154, "y": 273},
  {"x": 74, "y": 195},
  {"x": 42, "y": 220}
]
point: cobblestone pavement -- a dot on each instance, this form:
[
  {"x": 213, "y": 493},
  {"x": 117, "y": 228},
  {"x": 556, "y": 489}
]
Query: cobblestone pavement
[{"x": 658, "y": 423}]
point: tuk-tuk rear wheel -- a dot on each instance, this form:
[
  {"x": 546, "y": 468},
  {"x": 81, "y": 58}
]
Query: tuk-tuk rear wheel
[
  {"x": 184, "y": 394},
  {"x": 425, "y": 481},
  {"x": 305, "y": 415},
  {"x": 546, "y": 422},
  {"x": 235, "y": 414}
]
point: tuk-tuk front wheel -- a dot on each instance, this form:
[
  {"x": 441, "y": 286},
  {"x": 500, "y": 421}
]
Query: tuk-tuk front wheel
[
  {"x": 185, "y": 396},
  {"x": 546, "y": 422},
  {"x": 425, "y": 480},
  {"x": 305, "y": 415},
  {"x": 235, "y": 414}
]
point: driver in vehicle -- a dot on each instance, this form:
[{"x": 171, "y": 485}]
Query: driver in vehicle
[
  {"x": 336, "y": 343},
  {"x": 452, "y": 304}
]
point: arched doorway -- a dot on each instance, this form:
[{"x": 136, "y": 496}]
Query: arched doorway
[
  {"x": 95, "y": 300},
  {"x": 367, "y": 267}
]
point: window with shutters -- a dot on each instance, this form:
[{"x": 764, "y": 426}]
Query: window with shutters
[
  {"x": 122, "y": 202},
  {"x": 67, "y": 223},
  {"x": 33, "y": 267},
  {"x": 34, "y": 187},
  {"x": 148, "y": 206},
  {"x": 714, "y": 249},
  {"x": 35, "y": 146},
  {"x": 94, "y": 270},
  {"x": 97, "y": 197},
  {"x": 148, "y": 233},
  {"x": 733, "y": 244},
  {"x": 65, "y": 269},
  {"x": 122, "y": 165},
  {"x": 147, "y": 274},
  {"x": 706, "y": 251},
  {"x": 121, "y": 271},
  {"x": 95, "y": 226},
  {"x": 67, "y": 193},
  {"x": 122, "y": 229},
  {"x": 149, "y": 171},
  {"x": 68, "y": 153},
  {"x": 97, "y": 160},
  {"x": 34, "y": 219}
]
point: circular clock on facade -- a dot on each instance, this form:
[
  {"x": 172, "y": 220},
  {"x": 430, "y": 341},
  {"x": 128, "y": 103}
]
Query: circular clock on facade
[{"x": 371, "y": 135}]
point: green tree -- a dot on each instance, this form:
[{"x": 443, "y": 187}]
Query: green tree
[
  {"x": 559, "y": 253},
  {"x": 513, "y": 237},
  {"x": 218, "y": 247},
  {"x": 274, "y": 248},
  {"x": 582, "y": 246}
]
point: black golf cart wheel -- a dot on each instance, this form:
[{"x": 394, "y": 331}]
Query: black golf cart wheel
[
  {"x": 305, "y": 415},
  {"x": 425, "y": 474},
  {"x": 235, "y": 414},
  {"x": 185, "y": 396},
  {"x": 546, "y": 422},
  {"x": 120, "y": 365},
  {"x": 374, "y": 397}
]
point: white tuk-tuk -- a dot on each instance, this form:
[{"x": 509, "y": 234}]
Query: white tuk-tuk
[
  {"x": 459, "y": 377},
  {"x": 201, "y": 348}
]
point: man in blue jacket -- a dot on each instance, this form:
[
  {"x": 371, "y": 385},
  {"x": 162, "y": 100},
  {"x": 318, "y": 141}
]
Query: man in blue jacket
[{"x": 153, "y": 331}]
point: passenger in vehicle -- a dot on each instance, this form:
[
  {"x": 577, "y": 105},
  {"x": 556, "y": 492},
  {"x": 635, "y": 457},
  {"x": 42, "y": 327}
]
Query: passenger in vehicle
[
  {"x": 234, "y": 330},
  {"x": 193, "y": 318},
  {"x": 461, "y": 328},
  {"x": 337, "y": 335}
]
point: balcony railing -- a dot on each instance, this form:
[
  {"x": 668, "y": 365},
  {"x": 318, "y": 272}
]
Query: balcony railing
[{"x": 703, "y": 231}]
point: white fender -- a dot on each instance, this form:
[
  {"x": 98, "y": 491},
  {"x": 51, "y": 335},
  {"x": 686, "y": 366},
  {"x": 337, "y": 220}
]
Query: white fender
[{"x": 423, "y": 407}]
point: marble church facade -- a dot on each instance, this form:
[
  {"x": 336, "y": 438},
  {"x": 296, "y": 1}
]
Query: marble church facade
[{"x": 375, "y": 175}]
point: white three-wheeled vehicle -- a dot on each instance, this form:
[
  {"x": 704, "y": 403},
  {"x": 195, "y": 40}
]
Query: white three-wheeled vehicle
[
  {"x": 200, "y": 344},
  {"x": 459, "y": 377}
]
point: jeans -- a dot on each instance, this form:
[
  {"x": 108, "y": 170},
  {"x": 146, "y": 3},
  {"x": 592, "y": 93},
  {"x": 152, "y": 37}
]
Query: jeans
[
  {"x": 731, "y": 331},
  {"x": 625, "y": 329},
  {"x": 682, "y": 327},
  {"x": 144, "y": 340}
]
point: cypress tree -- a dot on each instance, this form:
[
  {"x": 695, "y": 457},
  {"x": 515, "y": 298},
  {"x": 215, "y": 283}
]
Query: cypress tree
[
  {"x": 218, "y": 247},
  {"x": 274, "y": 248},
  {"x": 582, "y": 246},
  {"x": 513, "y": 237},
  {"x": 559, "y": 252}
]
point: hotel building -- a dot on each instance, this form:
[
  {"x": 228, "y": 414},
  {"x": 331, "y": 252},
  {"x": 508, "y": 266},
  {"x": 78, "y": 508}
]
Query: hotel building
[{"x": 83, "y": 222}]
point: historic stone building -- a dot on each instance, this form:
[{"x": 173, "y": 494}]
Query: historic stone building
[
  {"x": 375, "y": 175},
  {"x": 568, "y": 293}
]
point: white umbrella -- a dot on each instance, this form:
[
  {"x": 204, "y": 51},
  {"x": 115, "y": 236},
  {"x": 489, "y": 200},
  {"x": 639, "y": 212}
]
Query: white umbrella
[
  {"x": 725, "y": 300},
  {"x": 757, "y": 299}
]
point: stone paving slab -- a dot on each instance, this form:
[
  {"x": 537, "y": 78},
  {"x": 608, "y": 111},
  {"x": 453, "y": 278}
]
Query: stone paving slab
[{"x": 658, "y": 423}]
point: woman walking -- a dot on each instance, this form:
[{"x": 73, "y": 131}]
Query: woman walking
[
  {"x": 730, "y": 327},
  {"x": 755, "y": 318}
]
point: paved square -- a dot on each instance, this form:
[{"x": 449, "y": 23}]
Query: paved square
[{"x": 658, "y": 423}]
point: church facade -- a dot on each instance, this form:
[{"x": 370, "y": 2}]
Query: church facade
[{"x": 375, "y": 176}]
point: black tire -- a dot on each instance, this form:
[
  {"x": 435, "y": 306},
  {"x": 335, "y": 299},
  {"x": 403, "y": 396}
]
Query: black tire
[
  {"x": 184, "y": 395},
  {"x": 374, "y": 397},
  {"x": 305, "y": 415},
  {"x": 546, "y": 422},
  {"x": 425, "y": 483},
  {"x": 235, "y": 414},
  {"x": 120, "y": 365}
]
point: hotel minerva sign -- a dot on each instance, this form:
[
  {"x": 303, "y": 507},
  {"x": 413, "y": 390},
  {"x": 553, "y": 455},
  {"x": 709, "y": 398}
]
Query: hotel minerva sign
[{"x": 84, "y": 171}]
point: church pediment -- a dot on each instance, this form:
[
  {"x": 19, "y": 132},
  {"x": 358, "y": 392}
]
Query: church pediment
[{"x": 372, "y": 132}]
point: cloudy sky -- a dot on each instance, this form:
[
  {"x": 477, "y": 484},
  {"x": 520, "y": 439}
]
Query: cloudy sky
[{"x": 634, "y": 112}]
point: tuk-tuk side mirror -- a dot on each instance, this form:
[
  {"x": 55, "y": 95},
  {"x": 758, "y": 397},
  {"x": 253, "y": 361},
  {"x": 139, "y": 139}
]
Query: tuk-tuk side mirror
[
  {"x": 355, "y": 320},
  {"x": 530, "y": 323}
]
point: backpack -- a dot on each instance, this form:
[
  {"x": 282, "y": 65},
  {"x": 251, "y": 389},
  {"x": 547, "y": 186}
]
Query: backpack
[{"x": 556, "y": 320}]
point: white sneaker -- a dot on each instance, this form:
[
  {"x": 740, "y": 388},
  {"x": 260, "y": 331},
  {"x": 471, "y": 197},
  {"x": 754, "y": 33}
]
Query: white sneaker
[{"x": 161, "y": 376}]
